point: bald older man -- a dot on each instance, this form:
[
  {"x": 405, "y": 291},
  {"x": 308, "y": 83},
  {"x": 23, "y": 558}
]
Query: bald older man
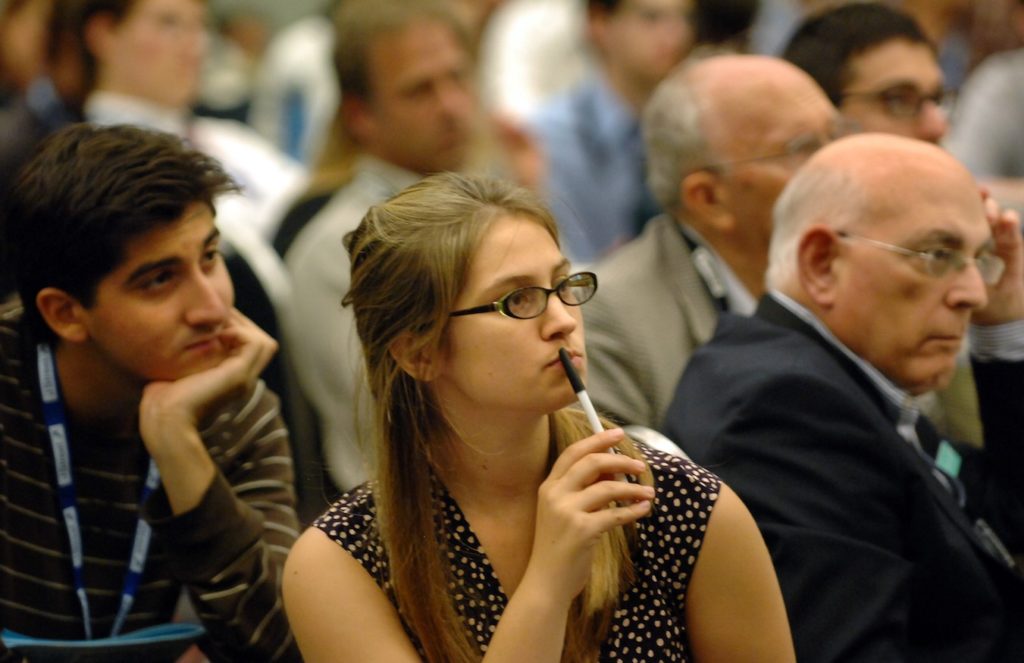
[
  {"x": 724, "y": 134},
  {"x": 891, "y": 544}
]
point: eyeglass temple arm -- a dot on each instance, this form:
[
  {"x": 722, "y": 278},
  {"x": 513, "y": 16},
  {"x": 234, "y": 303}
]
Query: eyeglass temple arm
[{"x": 483, "y": 308}]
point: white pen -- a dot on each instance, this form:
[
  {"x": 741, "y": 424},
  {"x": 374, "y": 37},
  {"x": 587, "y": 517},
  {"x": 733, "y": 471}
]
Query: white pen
[
  {"x": 581, "y": 391},
  {"x": 584, "y": 398}
]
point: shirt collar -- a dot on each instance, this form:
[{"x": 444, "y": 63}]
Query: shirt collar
[
  {"x": 386, "y": 177},
  {"x": 720, "y": 279},
  {"x": 906, "y": 407},
  {"x": 112, "y": 108}
]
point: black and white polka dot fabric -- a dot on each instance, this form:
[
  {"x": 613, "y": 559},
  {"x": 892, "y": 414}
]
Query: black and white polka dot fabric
[{"x": 649, "y": 623}]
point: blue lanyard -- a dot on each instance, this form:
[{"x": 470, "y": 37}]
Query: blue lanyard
[{"x": 56, "y": 425}]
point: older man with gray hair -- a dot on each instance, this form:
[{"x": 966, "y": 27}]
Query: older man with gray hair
[
  {"x": 890, "y": 542},
  {"x": 724, "y": 134}
]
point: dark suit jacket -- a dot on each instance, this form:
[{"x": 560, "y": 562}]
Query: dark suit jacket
[{"x": 876, "y": 560}]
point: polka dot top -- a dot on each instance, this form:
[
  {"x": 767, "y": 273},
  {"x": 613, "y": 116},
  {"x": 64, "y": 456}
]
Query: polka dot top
[{"x": 649, "y": 623}]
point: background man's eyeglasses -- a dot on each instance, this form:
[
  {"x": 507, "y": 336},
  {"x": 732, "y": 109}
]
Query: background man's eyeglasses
[
  {"x": 796, "y": 150},
  {"x": 939, "y": 262},
  {"x": 530, "y": 302},
  {"x": 906, "y": 100}
]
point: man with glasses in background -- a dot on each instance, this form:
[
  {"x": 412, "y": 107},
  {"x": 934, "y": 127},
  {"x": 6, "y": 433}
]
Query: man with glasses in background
[
  {"x": 890, "y": 542},
  {"x": 723, "y": 136},
  {"x": 878, "y": 68}
]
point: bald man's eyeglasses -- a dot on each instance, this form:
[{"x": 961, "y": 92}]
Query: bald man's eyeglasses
[
  {"x": 905, "y": 100},
  {"x": 940, "y": 261}
]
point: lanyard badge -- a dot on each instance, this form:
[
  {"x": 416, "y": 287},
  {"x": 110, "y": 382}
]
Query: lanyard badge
[{"x": 56, "y": 426}]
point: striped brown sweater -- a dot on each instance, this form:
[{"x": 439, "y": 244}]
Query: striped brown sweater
[{"x": 227, "y": 553}]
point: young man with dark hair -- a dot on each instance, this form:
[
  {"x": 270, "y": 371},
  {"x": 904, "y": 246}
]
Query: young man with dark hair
[
  {"x": 877, "y": 67},
  {"x": 127, "y": 372}
]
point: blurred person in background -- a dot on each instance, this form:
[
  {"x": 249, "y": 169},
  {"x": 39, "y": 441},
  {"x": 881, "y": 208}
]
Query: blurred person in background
[
  {"x": 408, "y": 108},
  {"x": 877, "y": 66},
  {"x": 947, "y": 25},
  {"x": 23, "y": 37},
  {"x": 724, "y": 24},
  {"x": 229, "y": 73},
  {"x": 590, "y": 135},
  {"x": 49, "y": 100},
  {"x": 518, "y": 48},
  {"x": 988, "y": 131},
  {"x": 295, "y": 93},
  {"x": 724, "y": 134},
  {"x": 143, "y": 63},
  {"x": 41, "y": 78}
]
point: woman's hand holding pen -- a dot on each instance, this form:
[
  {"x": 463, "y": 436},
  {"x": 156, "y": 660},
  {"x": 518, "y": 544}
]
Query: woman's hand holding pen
[{"x": 578, "y": 502}]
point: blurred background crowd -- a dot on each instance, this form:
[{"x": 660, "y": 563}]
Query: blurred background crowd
[{"x": 256, "y": 83}]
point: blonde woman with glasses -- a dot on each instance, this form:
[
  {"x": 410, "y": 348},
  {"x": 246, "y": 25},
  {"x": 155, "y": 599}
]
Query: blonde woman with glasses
[{"x": 498, "y": 527}]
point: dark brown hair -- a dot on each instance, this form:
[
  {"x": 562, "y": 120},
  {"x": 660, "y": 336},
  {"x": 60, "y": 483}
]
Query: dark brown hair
[
  {"x": 86, "y": 193},
  {"x": 826, "y": 42}
]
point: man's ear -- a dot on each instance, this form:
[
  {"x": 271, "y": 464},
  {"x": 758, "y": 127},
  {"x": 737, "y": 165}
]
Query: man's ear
[
  {"x": 413, "y": 357},
  {"x": 597, "y": 27},
  {"x": 817, "y": 264},
  {"x": 63, "y": 313},
  {"x": 98, "y": 35},
  {"x": 357, "y": 117},
  {"x": 705, "y": 201}
]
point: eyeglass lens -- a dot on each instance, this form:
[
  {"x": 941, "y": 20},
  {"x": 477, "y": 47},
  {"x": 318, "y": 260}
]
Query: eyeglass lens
[
  {"x": 908, "y": 101},
  {"x": 940, "y": 262},
  {"x": 531, "y": 302}
]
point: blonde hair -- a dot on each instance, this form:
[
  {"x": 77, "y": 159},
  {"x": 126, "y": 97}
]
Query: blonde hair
[{"x": 410, "y": 258}]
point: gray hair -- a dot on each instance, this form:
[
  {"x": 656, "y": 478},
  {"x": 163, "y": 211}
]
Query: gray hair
[
  {"x": 673, "y": 135},
  {"x": 818, "y": 193}
]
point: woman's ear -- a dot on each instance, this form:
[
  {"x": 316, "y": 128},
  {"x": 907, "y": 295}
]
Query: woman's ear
[
  {"x": 63, "y": 313},
  {"x": 817, "y": 264},
  {"x": 413, "y": 357}
]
